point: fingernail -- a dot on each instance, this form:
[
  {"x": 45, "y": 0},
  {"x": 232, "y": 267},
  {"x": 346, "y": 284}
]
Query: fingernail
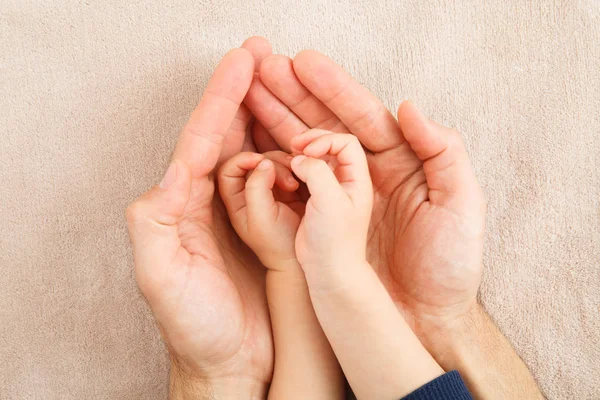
[
  {"x": 263, "y": 165},
  {"x": 170, "y": 176}
]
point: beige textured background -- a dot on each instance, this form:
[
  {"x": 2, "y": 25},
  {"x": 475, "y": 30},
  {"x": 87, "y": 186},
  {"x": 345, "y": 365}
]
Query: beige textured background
[{"x": 93, "y": 94}]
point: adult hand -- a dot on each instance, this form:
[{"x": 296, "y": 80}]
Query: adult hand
[
  {"x": 426, "y": 234},
  {"x": 205, "y": 287}
]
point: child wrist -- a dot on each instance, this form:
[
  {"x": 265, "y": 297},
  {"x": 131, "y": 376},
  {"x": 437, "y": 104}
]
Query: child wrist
[{"x": 334, "y": 277}]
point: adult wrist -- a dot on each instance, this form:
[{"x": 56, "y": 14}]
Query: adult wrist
[
  {"x": 448, "y": 341},
  {"x": 475, "y": 347},
  {"x": 184, "y": 386}
]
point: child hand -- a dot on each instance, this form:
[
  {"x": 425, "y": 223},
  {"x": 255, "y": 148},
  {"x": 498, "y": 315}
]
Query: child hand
[
  {"x": 334, "y": 229},
  {"x": 379, "y": 354},
  {"x": 259, "y": 193}
]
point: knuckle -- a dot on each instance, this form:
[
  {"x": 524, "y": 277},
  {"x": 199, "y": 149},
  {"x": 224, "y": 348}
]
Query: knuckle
[
  {"x": 367, "y": 118},
  {"x": 331, "y": 123},
  {"x": 210, "y": 136}
]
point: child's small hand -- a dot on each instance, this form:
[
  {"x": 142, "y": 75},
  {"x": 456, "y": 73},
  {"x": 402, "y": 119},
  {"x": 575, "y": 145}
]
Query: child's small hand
[
  {"x": 334, "y": 229},
  {"x": 259, "y": 193},
  {"x": 379, "y": 354}
]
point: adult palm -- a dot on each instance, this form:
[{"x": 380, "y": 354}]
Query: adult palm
[
  {"x": 205, "y": 287},
  {"x": 426, "y": 234}
]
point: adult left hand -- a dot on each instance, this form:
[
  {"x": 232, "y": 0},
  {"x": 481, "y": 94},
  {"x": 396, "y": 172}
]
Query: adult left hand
[{"x": 205, "y": 287}]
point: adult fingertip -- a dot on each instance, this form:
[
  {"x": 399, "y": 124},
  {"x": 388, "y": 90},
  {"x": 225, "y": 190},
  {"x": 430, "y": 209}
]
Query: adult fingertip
[
  {"x": 257, "y": 41},
  {"x": 242, "y": 58},
  {"x": 259, "y": 47},
  {"x": 273, "y": 64},
  {"x": 257, "y": 157},
  {"x": 238, "y": 52},
  {"x": 408, "y": 109},
  {"x": 297, "y": 143},
  {"x": 293, "y": 144},
  {"x": 291, "y": 183},
  {"x": 306, "y": 57}
]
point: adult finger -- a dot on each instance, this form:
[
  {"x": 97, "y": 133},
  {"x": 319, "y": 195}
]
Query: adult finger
[
  {"x": 260, "y": 48},
  {"x": 248, "y": 144},
  {"x": 267, "y": 109},
  {"x": 446, "y": 165},
  {"x": 279, "y": 121},
  {"x": 235, "y": 138},
  {"x": 363, "y": 114},
  {"x": 201, "y": 140},
  {"x": 277, "y": 73},
  {"x": 284, "y": 179},
  {"x": 262, "y": 138}
]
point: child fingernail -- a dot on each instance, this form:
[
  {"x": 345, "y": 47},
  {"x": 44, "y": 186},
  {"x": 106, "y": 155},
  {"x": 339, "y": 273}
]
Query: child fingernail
[{"x": 263, "y": 165}]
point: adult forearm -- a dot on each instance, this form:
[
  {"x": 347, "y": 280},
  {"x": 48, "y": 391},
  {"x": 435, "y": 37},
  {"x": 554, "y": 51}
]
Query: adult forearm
[
  {"x": 486, "y": 360},
  {"x": 182, "y": 386}
]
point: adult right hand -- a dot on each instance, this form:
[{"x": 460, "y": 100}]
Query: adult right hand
[
  {"x": 205, "y": 287},
  {"x": 427, "y": 227}
]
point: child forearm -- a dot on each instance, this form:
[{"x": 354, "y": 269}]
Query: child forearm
[
  {"x": 381, "y": 357},
  {"x": 305, "y": 366}
]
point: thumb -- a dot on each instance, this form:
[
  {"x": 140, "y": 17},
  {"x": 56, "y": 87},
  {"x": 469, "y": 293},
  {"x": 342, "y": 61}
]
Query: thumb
[
  {"x": 260, "y": 203},
  {"x": 446, "y": 164},
  {"x": 152, "y": 221}
]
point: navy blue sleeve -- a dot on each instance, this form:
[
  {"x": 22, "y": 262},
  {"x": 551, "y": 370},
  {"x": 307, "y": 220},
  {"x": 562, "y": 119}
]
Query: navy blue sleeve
[{"x": 449, "y": 386}]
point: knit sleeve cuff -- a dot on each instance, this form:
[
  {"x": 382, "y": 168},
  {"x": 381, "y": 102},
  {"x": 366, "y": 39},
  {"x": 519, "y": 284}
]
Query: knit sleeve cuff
[{"x": 449, "y": 386}]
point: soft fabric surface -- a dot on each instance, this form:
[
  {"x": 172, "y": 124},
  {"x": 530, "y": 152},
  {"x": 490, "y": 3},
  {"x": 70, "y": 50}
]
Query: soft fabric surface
[{"x": 94, "y": 94}]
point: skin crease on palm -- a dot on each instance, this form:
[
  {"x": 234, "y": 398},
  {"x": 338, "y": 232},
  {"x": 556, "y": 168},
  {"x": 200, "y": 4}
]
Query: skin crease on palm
[{"x": 426, "y": 234}]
